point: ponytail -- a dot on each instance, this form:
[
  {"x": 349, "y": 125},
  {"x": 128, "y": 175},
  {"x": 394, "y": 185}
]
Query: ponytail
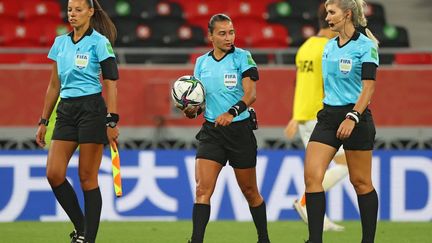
[
  {"x": 371, "y": 36},
  {"x": 359, "y": 18},
  {"x": 101, "y": 22}
]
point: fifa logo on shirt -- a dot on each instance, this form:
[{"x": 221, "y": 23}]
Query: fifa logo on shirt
[
  {"x": 306, "y": 66},
  {"x": 345, "y": 65},
  {"x": 81, "y": 60},
  {"x": 230, "y": 80}
]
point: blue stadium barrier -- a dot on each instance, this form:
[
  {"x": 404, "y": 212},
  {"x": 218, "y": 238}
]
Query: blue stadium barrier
[{"x": 159, "y": 185}]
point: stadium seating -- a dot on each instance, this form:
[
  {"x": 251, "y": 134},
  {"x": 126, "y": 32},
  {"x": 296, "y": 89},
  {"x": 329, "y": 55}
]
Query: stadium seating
[
  {"x": 293, "y": 10},
  {"x": 20, "y": 35},
  {"x": 247, "y": 10},
  {"x": 183, "y": 23},
  {"x": 258, "y": 33},
  {"x": 162, "y": 32},
  {"x": 390, "y": 35},
  {"x": 199, "y": 12},
  {"x": 38, "y": 9},
  {"x": 375, "y": 14},
  {"x": 149, "y": 9},
  {"x": 10, "y": 9}
]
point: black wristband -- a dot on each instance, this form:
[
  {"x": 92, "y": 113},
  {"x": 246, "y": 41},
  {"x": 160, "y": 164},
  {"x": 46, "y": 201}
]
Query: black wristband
[
  {"x": 353, "y": 115},
  {"x": 112, "y": 117},
  {"x": 238, "y": 108},
  {"x": 43, "y": 121}
]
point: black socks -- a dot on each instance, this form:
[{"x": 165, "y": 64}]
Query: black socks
[
  {"x": 67, "y": 198},
  {"x": 200, "y": 218},
  {"x": 259, "y": 216},
  {"x": 315, "y": 206},
  {"x": 93, "y": 207},
  {"x": 368, "y": 205}
]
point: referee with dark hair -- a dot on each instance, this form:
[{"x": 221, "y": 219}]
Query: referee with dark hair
[
  {"x": 83, "y": 117},
  {"x": 228, "y": 74}
]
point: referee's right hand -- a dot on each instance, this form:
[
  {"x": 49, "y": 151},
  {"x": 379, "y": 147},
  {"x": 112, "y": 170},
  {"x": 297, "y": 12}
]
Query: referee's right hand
[
  {"x": 40, "y": 135},
  {"x": 191, "y": 111}
]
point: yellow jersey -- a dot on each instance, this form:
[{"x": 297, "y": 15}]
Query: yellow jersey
[{"x": 309, "y": 92}]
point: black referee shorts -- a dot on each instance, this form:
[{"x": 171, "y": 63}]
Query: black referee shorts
[
  {"x": 235, "y": 143},
  {"x": 329, "y": 119},
  {"x": 81, "y": 119}
]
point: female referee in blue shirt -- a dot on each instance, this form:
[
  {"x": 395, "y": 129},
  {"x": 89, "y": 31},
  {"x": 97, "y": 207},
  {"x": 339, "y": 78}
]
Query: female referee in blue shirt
[
  {"x": 349, "y": 64},
  {"x": 83, "y": 117},
  {"x": 228, "y": 74}
]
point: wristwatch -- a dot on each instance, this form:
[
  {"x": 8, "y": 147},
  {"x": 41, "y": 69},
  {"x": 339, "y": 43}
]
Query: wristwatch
[
  {"x": 111, "y": 124},
  {"x": 43, "y": 121}
]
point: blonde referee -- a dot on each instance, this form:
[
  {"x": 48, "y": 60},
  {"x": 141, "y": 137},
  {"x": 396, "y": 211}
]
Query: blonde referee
[{"x": 308, "y": 100}]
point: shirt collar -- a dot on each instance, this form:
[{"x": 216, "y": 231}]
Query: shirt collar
[
  {"x": 88, "y": 32},
  {"x": 354, "y": 37},
  {"x": 230, "y": 51}
]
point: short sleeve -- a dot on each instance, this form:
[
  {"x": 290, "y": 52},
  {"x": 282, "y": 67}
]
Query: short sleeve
[
  {"x": 370, "y": 53},
  {"x": 197, "y": 68},
  {"x": 247, "y": 61},
  {"x": 53, "y": 52},
  {"x": 104, "y": 50}
]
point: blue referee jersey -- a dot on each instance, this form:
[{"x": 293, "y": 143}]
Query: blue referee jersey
[
  {"x": 78, "y": 64},
  {"x": 342, "y": 68},
  {"x": 222, "y": 80}
]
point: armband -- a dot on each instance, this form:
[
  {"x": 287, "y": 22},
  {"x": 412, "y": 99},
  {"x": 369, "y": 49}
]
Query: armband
[{"x": 238, "y": 108}]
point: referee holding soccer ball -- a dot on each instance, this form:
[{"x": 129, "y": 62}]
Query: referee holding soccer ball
[{"x": 228, "y": 74}]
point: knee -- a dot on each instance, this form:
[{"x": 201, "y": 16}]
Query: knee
[
  {"x": 361, "y": 185},
  {"x": 313, "y": 182},
  {"x": 55, "y": 179},
  {"x": 202, "y": 193},
  {"x": 251, "y": 194},
  {"x": 88, "y": 180}
]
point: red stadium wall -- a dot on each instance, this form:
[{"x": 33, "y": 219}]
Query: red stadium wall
[{"x": 402, "y": 98}]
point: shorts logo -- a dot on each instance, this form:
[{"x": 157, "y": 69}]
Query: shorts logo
[
  {"x": 230, "y": 80},
  {"x": 81, "y": 60},
  {"x": 345, "y": 65}
]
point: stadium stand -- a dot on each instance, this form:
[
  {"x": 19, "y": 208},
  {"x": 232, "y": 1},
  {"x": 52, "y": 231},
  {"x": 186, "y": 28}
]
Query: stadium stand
[
  {"x": 375, "y": 14},
  {"x": 178, "y": 23},
  {"x": 10, "y": 10},
  {"x": 199, "y": 12}
]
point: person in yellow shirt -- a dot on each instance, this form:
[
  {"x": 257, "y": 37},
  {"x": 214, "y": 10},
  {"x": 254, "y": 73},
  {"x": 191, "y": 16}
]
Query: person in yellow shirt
[{"x": 308, "y": 100}]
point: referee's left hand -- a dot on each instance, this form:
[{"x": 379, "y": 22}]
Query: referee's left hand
[
  {"x": 345, "y": 129},
  {"x": 224, "y": 120},
  {"x": 113, "y": 134}
]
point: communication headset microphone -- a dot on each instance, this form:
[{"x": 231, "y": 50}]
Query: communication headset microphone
[{"x": 333, "y": 24}]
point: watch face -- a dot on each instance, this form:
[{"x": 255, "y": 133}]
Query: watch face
[
  {"x": 112, "y": 124},
  {"x": 43, "y": 122}
]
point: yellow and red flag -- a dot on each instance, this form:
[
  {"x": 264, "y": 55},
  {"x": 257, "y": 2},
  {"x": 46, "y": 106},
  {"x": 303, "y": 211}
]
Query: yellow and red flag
[{"x": 115, "y": 161}]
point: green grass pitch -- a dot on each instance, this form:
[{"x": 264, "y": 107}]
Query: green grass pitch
[{"x": 217, "y": 232}]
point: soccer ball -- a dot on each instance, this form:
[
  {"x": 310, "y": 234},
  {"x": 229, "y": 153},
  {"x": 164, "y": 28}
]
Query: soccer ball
[{"x": 188, "y": 90}]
